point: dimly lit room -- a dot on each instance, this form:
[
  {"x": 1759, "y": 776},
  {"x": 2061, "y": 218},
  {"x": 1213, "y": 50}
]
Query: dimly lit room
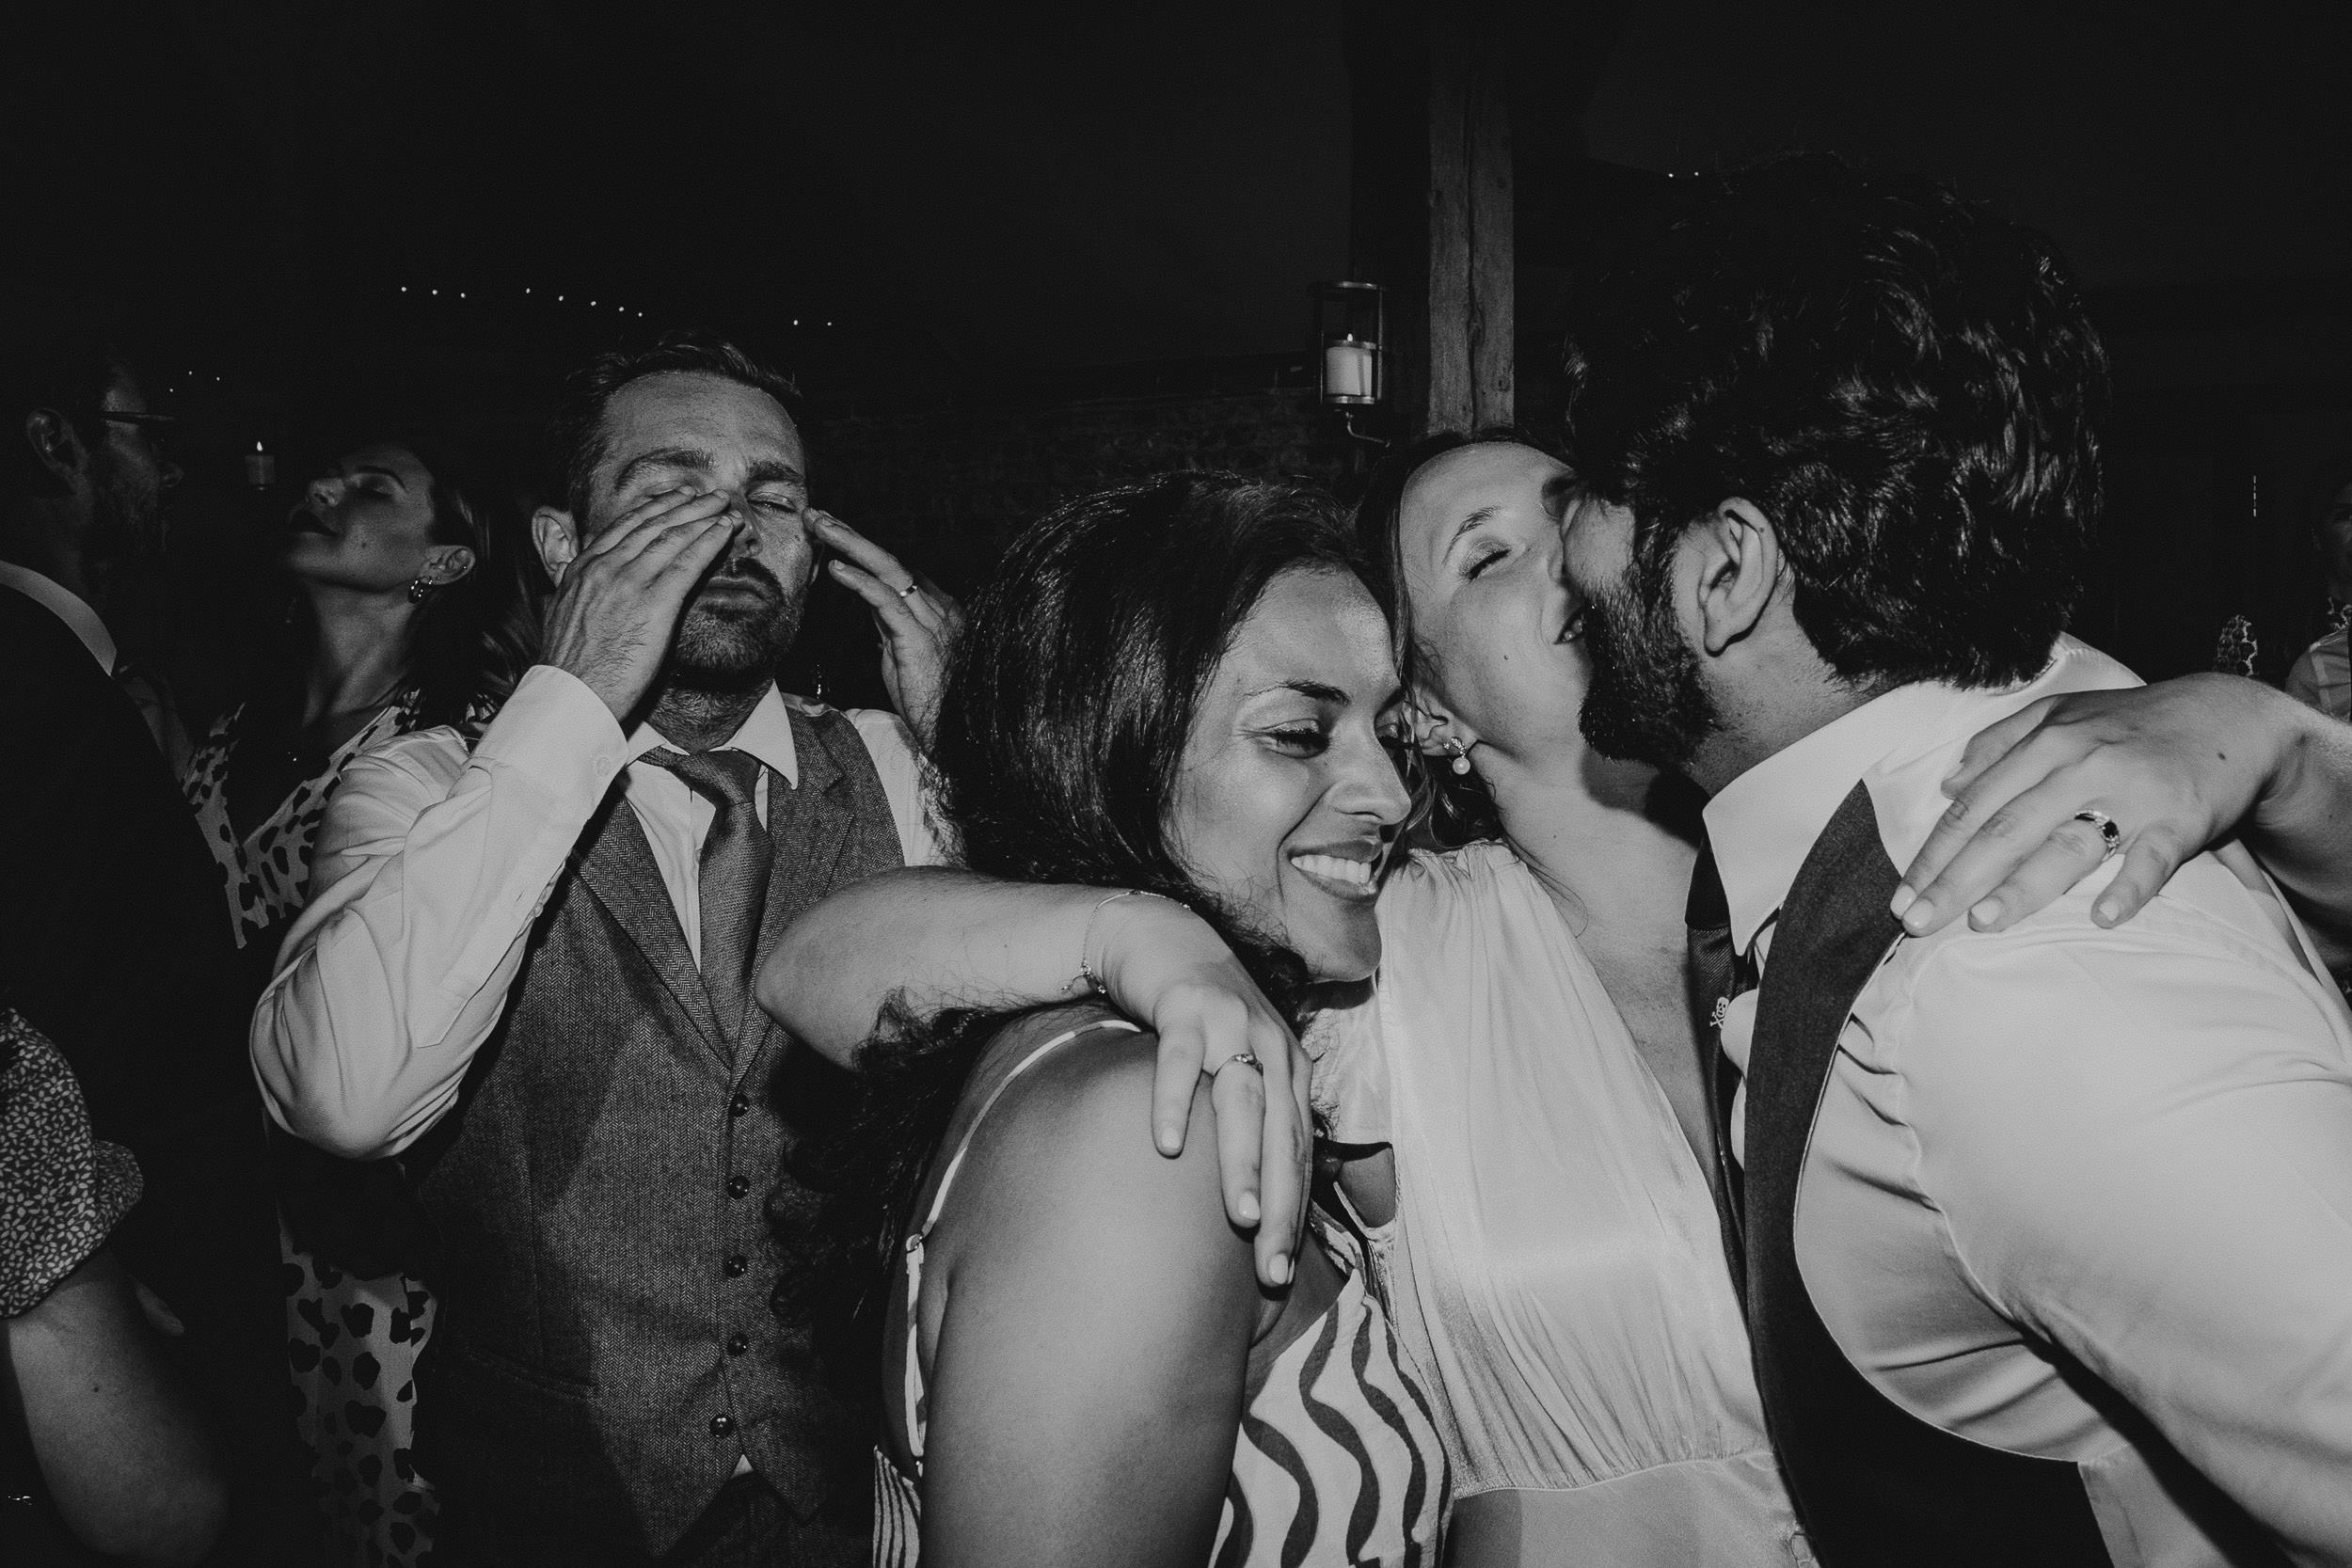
[{"x": 1406, "y": 781}]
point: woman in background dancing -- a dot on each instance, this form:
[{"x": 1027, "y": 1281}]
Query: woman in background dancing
[{"x": 409, "y": 611}]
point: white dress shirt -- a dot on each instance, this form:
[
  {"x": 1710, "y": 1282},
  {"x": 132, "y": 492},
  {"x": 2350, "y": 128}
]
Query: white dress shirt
[
  {"x": 2134, "y": 1144},
  {"x": 2322, "y": 678},
  {"x": 67, "y": 606},
  {"x": 429, "y": 868}
]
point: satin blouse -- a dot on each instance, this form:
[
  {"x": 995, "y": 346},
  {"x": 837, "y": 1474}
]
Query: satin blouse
[{"x": 1555, "y": 1266}]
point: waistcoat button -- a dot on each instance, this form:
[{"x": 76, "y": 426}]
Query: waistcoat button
[
  {"x": 739, "y": 1105},
  {"x": 722, "y": 1425},
  {"x": 738, "y": 1186},
  {"x": 739, "y": 1343},
  {"x": 737, "y": 1264}
]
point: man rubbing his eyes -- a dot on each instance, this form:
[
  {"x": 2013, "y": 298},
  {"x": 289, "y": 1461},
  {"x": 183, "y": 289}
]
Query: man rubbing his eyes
[{"x": 525, "y": 970}]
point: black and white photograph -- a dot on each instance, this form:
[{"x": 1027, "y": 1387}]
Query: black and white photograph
[{"x": 1328, "y": 783}]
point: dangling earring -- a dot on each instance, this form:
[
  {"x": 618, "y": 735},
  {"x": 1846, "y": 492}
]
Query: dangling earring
[
  {"x": 1461, "y": 755},
  {"x": 418, "y": 588}
]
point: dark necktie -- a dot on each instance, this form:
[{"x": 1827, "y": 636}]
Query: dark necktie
[
  {"x": 734, "y": 875},
  {"x": 1717, "y": 974}
]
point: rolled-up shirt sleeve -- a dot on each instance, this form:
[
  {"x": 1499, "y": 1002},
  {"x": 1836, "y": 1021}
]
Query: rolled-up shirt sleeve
[
  {"x": 430, "y": 866},
  {"x": 2141, "y": 1144}
]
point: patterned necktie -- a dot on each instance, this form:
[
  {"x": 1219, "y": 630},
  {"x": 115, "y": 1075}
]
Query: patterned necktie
[
  {"x": 1717, "y": 974},
  {"x": 734, "y": 875}
]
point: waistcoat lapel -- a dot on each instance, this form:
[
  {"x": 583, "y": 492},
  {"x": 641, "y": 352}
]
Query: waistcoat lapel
[
  {"x": 1835, "y": 931},
  {"x": 1872, "y": 1482},
  {"x": 618, "y": 865},
  {"x": 808, "y": 828}
]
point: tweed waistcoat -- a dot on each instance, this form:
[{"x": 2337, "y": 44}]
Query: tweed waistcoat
[{"x": 602, "y": 1195}]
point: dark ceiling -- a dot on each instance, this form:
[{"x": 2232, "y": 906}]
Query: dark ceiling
[
  {"x": 2157, "y": 144},
  {"x": 986, "y": 189}
]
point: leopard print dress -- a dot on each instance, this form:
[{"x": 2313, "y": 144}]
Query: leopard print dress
[{"x": 351, "y": 1343}]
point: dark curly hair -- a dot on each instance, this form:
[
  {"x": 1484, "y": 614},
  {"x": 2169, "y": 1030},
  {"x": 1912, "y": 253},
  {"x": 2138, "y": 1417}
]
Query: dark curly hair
[
  {"x": 1905, "y": 383},
  {"x": 1071, "y": 697},
  {"x": 576, "y": 436},
  {"x": 472, "y": 639}
]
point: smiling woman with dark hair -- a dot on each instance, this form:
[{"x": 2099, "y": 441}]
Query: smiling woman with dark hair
[{"x": 1175, "y": 693}]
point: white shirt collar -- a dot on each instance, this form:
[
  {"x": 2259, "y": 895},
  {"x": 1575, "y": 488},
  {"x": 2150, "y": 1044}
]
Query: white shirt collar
[
  {"x": 767, "y": 735},
  {"x": 66, "y": 606},
  {"x": 1902, "y": 744}
]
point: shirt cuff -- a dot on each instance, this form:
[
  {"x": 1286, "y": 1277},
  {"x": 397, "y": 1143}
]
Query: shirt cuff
[{"x": 558, "y": 733}]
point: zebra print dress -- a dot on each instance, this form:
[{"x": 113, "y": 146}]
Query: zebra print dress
[{"x": 1338, "y": 1460}]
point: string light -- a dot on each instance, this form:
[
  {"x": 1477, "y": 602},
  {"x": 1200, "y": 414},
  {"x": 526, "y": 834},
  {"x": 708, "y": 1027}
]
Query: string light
[{"x": 560, "y": 299}]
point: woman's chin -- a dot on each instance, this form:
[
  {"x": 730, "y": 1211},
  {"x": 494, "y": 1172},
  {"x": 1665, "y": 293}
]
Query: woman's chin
[{"x": 1342, "y": 957}]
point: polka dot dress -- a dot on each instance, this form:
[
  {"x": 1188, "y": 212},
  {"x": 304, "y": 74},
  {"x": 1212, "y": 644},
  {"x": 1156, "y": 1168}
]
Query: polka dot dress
[
  {"x": 351, "y": 1343},
  {"x": 61, "y": 1191}
]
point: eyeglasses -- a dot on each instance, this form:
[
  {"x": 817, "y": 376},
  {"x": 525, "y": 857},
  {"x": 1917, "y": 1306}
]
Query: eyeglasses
[
  {"x": 155, "y": 423},
  {"x": 158, "y": 428}
]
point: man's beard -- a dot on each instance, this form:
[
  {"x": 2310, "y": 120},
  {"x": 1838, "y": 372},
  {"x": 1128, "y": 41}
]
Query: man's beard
[
  {"x": 1647, "y": 701},
  {"x": 736, "y": 647},
  {"x": 127, "y": 513}
]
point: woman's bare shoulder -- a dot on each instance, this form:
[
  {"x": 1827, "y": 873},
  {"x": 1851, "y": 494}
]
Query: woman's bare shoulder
[{"x": 1070, "y": 1135}]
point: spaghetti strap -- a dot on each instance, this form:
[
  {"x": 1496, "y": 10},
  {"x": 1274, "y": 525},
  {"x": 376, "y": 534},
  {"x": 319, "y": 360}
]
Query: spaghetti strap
[
  {"x": 1337, "y": 1457},
  {"x": 914, "y": 1381}
]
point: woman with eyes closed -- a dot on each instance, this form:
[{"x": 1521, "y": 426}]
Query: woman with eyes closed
[
  {"x": 408, "y": 612},
  {"x": 1524, "y": 1091},
  {"x": 1170, "y": 694}
]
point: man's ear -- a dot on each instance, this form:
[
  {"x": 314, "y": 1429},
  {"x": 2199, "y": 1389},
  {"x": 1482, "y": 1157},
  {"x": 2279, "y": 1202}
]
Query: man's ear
[
  {"x": 557, "y": 539},
  {"x": 1740, "y": 568},
  {"x": 57, "y": 446}
]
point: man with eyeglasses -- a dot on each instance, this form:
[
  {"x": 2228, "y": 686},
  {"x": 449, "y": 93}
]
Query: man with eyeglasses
[{"x": 111, "y": 937}]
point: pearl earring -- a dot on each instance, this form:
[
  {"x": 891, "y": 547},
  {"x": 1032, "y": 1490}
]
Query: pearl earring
[
  {"x": 1461, "y": 756},
  {"x": 418, "y": 588}
]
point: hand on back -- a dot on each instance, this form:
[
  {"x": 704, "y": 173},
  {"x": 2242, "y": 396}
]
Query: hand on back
[{"x": 2178, "y": 767}]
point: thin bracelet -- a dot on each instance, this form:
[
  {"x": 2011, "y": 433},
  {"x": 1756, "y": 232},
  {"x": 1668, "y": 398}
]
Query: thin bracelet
[{"x": 1088, "y": 980}]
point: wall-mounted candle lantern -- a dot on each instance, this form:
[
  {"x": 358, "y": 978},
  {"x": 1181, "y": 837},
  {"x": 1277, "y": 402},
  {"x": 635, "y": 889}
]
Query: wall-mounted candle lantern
[{"x": 1349, "y": 329}]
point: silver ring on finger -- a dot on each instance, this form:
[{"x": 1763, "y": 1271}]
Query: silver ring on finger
[
  {"x": 2109, "y": 834},
  {"x": 1242, "y": 1058},
  {"x": 909, "y": 591}
]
